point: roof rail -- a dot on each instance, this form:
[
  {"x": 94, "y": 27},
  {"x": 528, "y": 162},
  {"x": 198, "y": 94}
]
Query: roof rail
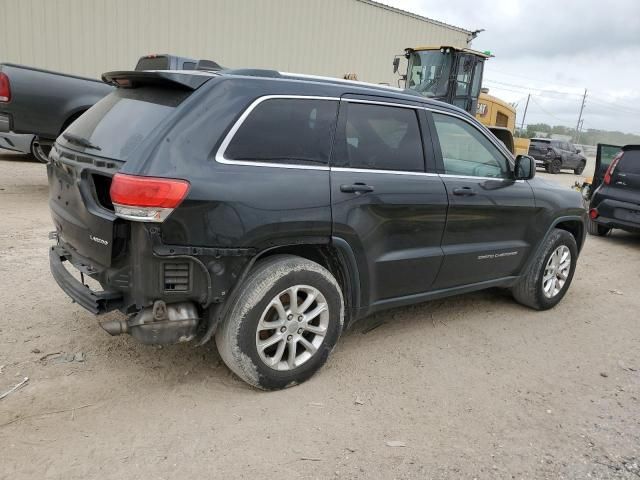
[{"x": 253, "y": 72}]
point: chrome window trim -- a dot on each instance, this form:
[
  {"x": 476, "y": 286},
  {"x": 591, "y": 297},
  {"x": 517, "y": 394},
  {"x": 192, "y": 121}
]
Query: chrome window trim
[
  {"x": 471, "y": 177},
  {"x": 392, "y": 172},
  {"x": 377, "y": 102},
  {"x": 220, "y": 158}
]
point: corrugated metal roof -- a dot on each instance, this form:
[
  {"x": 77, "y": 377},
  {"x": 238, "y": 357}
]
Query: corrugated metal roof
[{"x": 415, "y": 15}]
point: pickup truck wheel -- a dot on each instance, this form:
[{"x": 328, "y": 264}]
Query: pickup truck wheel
[
  {"x": 555, "y": 166},
  {"x": 580, "y": 168},
  {"x": 282, "y": 324},
  {"x": 550, "y": 275},
  {"x": 596, "y": 229}
]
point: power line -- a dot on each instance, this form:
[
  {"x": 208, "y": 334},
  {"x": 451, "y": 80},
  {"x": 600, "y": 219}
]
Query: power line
[
  {"x": 530, "y": 78},
  {"x": 601, "y": 103}
]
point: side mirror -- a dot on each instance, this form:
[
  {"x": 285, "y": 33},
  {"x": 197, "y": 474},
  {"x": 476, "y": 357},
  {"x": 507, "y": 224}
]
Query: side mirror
[
  {"x": 525, "y": 168},
  {"x": 396, "y": 64}
]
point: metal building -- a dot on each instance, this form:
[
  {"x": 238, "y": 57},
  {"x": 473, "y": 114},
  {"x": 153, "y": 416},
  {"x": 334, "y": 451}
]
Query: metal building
[{"x": 321, "y": 37}]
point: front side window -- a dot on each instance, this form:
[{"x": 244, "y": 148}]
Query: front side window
[
  {"x": 286, "y": 130},
  {"x": 381, "y": 138},
  {"x": 466, "y": 151}
]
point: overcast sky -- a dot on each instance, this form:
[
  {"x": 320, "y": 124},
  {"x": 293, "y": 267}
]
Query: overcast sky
[{"x": 555, "y": 49}]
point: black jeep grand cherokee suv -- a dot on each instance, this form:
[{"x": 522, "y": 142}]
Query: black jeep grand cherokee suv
[{"x": 271, "y": 210}]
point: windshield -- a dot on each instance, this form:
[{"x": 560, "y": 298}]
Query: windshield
[
  {"x": 116, "y": 125},
  {"x": 429, "y": 72}
]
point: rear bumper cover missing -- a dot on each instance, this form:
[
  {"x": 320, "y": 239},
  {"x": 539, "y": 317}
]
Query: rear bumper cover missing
[{"x": 95, "y": 302}]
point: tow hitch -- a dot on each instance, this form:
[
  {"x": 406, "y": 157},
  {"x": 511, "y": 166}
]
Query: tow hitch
[{"x": 161, "y": 324}]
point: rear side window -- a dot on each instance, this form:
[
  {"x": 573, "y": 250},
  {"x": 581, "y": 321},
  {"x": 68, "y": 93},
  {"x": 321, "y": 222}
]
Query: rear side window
[
  {"x": 286, "y": 130},
  {"x": 380, "y": 138},
  {"x": 122, "y": 120},
  {"x": 630, "y": 162}
]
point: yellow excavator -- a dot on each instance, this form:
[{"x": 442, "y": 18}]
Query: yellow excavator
[{"x": 454, "y": 75}]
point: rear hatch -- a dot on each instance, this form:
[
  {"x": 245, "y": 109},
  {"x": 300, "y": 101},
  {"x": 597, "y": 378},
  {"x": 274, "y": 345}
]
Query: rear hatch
[
  {"x": 625, "y": 180},
  {"x": 604, "y": 156},
  {"x": 92, "y": 150},
  {"x": 538, "y": 148}
]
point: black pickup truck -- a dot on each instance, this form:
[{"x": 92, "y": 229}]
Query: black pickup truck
[
  {"x": 270, "y": 211},
  {"x": 44, "y": 103}
]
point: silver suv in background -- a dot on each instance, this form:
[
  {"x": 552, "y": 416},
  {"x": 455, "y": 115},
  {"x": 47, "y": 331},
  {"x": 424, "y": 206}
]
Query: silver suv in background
[{"x": 555, "y": 155}]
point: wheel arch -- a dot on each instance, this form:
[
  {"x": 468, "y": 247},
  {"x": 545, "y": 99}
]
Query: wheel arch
[
  {"x": 575, "y": 227},
  {"x": 573, "y": 224},
  {"x": 336, "y": 257},
  {"x": 72, "y": 117}
]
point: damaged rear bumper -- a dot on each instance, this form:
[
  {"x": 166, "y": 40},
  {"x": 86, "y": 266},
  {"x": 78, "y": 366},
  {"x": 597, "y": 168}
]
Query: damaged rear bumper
[{"x": 96, "y": 302}]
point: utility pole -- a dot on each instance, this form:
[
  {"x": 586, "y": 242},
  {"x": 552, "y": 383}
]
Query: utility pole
[
  {"x": 584, "y": 98},
  {"x": 525, "y": 112},
  {"x": 579, "y": 131}
]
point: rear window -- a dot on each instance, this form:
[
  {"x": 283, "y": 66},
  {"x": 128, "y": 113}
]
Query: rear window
[
  {"x": 122, "y": 120},
  {"x": 153, "y": 63},
  {"x": 540, "y": 144},
  {"x": 630, "y": 162}
]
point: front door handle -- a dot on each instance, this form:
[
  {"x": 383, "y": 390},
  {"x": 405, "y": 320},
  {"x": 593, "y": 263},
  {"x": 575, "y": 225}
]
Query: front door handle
[
  {"x": 464, "y": 191},
  {"x": 356, "y": 188}
]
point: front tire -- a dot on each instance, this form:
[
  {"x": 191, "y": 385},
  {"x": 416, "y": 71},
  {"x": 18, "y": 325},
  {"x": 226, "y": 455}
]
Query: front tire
[
  {"x": 283, "y": 323},
  {"x": 548, "y": 278},
  {"x": 580, "y": 168}
]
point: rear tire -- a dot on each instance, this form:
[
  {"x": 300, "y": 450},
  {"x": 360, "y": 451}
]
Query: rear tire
[
  {"x": 580, "y": 168},
  {"x": 555, "y": 166},
  {"x": 532, "y": 288},
  {"x": 594, "y": 228},
  {"x": 272, "y": 341}
]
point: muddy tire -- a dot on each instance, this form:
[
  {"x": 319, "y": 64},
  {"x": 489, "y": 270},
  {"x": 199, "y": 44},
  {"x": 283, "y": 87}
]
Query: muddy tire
[
  {"x": 580, "y": 168},
  {"x": 595, "y": 228},
  {"x": 549, "y": 276},
  {"x": 283, "y": 323}
]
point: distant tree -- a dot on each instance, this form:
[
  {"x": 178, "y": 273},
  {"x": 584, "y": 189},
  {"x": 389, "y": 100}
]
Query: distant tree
[{"x": 590, "y": 136}]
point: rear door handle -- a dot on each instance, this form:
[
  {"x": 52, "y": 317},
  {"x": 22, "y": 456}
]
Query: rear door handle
[
  {"x": 464, "y": 191},
  {"x": 356, "y": 188}
]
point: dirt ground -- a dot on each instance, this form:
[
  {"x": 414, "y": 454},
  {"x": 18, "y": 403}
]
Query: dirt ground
[{"x": 474, "y": 386}]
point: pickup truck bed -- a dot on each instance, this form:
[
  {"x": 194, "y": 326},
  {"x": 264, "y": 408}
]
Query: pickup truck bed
[{"x": 43, "y": 102}]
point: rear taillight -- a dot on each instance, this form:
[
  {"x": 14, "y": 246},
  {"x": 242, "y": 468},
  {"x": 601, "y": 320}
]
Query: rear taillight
[
  {"x": 612, "y": 167},
  {"x": 593, "y": 213},
  {"x": 5, "y": 88},
  {"x": 146, "y": 199}
]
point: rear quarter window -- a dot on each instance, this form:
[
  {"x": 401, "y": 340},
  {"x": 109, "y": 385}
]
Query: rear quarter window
[
  {"x": 630, "y": 162},
  {"x": 286, "y": 131}
]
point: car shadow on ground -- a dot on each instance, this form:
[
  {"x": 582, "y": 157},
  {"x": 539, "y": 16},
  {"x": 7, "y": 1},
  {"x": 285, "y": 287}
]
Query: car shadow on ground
[
  {"x": 17, "y": 157},
  {"x": 186, "y": 364},
  {"x": 622, "y": 238}
]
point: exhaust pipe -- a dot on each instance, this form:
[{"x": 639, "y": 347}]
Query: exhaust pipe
[{"x": 161, "y": 324}]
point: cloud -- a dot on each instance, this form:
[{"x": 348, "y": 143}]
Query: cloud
[{"x": 554, "y": 50}]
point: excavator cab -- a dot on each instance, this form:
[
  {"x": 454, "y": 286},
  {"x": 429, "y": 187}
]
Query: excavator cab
[{"x": 445, "y": 73}]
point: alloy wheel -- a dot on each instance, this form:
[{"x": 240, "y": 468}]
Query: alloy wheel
[
  {"x": 292, "y": 327},
  {"x": 556, "y": 272}
]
